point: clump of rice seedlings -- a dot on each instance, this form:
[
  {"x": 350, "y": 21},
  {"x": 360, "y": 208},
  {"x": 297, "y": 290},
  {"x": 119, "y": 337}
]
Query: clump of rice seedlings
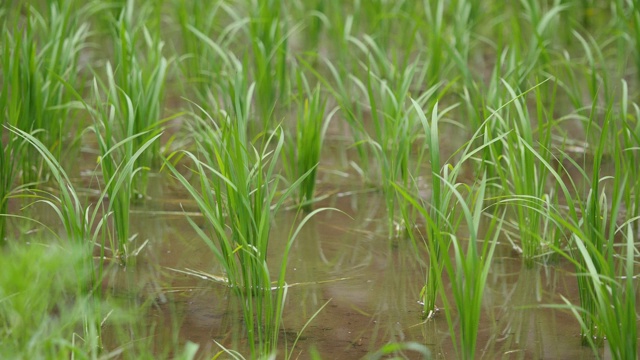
[
  {"x": 614, "y": 297},
  {"x": 206, "y": 39},
  {"x": 10, "y": 147},
  {"x": 78, "y": 223},
  {"x": 351, "y": 111},
  {"x": 81, "y": 224},
  {"x": 268, "y": 33},
  {"x": 593, "y": 228},
  {"x": 525, "y": 178},
  {"x": 607, "y": 283},
  {"x": 140, "y": 80},
  {"x": 114, "y": 119},
  {"x": 311, "y": 125},
  {"x": 597, "y": 240},
  {"x": 435, "y": 39},
  {"x": 597, "y": 77},
  {"x": 469, "y": 269},
  {"x": 392, "y": 132},
  {"x": 434, "y": 214},
  {"x": 83, "y": 228},
  {"x": 544, "y": 23},
  {"x": 437, "y": 212},
  {"x": 36, "y": 56},
  {"x": 238, "y": 196}
]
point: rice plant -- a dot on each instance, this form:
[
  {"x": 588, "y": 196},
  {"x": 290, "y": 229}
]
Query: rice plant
[
  {"x": 141, "y": 81},
  {"x": 208, "y": 30},
  {"x": 527, "y": 178},
  {"x": 606, "y": 281},
  {"x": 311, "y": 126},
  {"x": 351, "y": 111},
  {"x": 595, "y": 242},
  {"x": 84, "y": 227},
  {"x": 392, "y": 132},
  {"x": 614, "y": 297},
  {"x": 470, "y": 269},
  {"x": 36, "y": 56},
  {"x": 268, "y": 34},
  {"x": 437, "y": 212},
  {"x": 11, "y": 150},
  {"x": 114, "y": 127},
  {"x": 238, "y": 195}
]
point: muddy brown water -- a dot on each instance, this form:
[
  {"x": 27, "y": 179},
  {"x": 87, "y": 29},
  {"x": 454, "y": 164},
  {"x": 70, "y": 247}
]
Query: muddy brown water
[{"x": 372, "y": 288}]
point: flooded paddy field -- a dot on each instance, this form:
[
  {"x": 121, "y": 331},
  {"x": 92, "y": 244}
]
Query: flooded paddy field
[{"x": 316, "y": 179}]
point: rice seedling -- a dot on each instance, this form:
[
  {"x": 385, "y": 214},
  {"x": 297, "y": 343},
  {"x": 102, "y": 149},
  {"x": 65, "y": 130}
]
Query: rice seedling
[
  {"x": 10, "y": 150},
  {"x": 206, "y": 41},
  {"x": 591, "y": 229},
  {"x": 78, "y": 223},
  {"x": 311, "y": 126},
  {"x": 527, "y": 178},
  {"x": 350, "y": 111},
  {"x": 392, "y": 132},
  {"x": 438, "y": 212},
  {"x": 268, "y": 35},
  {"x": 598, "y": 233},
  {"x": 435, "y": 39},
  {"x": 614, "y": 297},
  {"x": 141, "y": 81},
  {"x": 114, "y": 119},
  {"x": 81, "y": 224},
  {"x": 35, "y": 56},
  {"x": 238, "y": 195},
  {"x": 469, "y": 271},
  {"x": 83, "y": 227},
  {"x": 606, "y": 279},
  {"x": 592, "y": 224}
]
